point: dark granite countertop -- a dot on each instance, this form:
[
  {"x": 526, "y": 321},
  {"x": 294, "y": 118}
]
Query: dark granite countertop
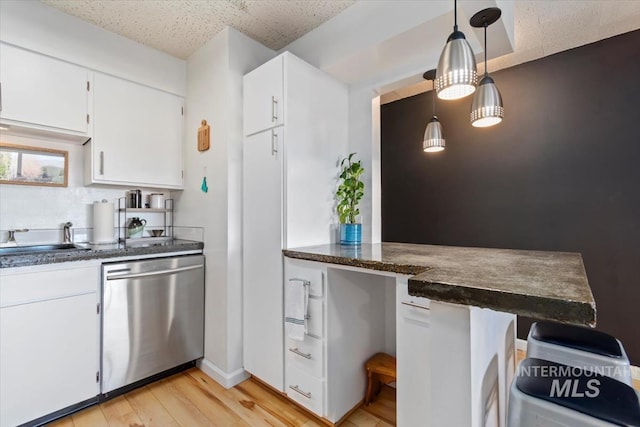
[
  {"x": 542, "y": 285},
  {"x": 90, "y": 252}
]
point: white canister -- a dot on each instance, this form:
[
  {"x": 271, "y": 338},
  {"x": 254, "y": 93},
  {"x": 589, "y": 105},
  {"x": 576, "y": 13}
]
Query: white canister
[{"x": 156, "y": 201}]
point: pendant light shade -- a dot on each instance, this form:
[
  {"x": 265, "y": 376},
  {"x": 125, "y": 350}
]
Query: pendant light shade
[
  {"x": 486, "y": 109},
  {"x": 457, "y": 75},
  {"x": 433, "y": 138}
]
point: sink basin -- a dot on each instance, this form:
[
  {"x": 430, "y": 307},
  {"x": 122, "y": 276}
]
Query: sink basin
[{"x": 13, "y": 250}]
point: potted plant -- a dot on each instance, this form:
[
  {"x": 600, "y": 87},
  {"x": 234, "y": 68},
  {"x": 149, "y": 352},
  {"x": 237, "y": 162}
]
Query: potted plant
[{"x": 349, "y": 193}]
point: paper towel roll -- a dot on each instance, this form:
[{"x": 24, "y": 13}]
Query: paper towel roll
[{"x": 103, "y": 215}]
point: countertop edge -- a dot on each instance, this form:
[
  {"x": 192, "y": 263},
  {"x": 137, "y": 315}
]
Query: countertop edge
[
  {"x": 537, "y": 307},
  {"x": 407, "y": 269},
  {"x": 27, "y": 260}
]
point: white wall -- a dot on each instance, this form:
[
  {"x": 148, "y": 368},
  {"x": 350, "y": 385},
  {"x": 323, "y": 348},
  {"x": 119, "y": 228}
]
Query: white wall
[
  {"x": 32, "y": 207},
  {"x": 35, "y": 26},
  {"x": 380, "y": 46},
  {"x": 214, "y": 93}
]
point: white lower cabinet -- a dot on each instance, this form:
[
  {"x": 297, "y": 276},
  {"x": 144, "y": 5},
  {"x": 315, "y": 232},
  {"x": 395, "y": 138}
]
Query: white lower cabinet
[
  {"x": 413, "y": 368},
  {"x": 304, "y": 361},
  {"x": 49, "y": 339}
]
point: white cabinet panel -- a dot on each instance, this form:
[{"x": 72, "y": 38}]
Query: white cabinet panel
[
  {"x": 262, "y": 257},
  {"x": 48, "y": 357},
  {"x": 412, "y": 353},
  {"x": 263, "y": 104},
  {"x": 42, "y": 91},
  {"x": 49, "y": 339},
  {"x": 137, "y": 135},
  {"x": 306, "y": 355},
  {"x": 305, "y": 389}
]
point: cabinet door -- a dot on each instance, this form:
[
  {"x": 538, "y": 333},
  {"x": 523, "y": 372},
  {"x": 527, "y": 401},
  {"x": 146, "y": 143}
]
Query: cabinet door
[
  {"x": 48, "y": 357},
  {"x": 42, "y": 91},
  {"x": 262, "y": 257},
  {"x": 412, "y": 353},
  {"x": 263, "y": 93},
  {"x": 137, "y": 134}
]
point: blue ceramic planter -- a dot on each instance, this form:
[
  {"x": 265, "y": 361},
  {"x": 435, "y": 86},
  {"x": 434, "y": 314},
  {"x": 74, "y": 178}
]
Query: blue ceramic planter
[{"x": 350, "y": 234}]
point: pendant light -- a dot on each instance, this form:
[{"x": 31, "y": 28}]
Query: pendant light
[
  {"x": 457, "y": 75},
  {"x": 486, "y": 109},
  {"x": 433, "y": 138}
]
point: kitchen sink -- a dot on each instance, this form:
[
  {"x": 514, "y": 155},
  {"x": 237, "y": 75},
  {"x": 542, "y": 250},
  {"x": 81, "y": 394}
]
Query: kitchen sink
[{"x": 14, "y": 250}]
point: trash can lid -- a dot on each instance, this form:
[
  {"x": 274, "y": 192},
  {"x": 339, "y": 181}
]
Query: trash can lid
[{"x": 579, "y": 390}]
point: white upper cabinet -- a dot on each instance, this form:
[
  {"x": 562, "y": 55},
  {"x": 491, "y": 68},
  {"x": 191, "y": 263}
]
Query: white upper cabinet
[
  {"x": 137, "y": 135},
  {"x": 41, "y": 92},
  {"x": 263, "y": 106}
]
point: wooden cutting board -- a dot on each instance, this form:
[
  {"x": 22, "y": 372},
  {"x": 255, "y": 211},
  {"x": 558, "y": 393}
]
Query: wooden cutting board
[{"x": 203, "y": 136}]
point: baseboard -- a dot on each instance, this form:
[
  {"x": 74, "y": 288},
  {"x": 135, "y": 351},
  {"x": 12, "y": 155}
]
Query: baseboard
[
  {"x": 226, "y": 380},
  {"x": 522, "y": 345}
]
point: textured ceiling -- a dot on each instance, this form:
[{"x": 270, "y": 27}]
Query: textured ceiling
[
  {"x": 180, "y": 27},
  {"x": 546, "y": 27}
]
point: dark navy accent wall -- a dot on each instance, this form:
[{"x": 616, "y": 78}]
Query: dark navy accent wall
[{"x": 560, "y": 173}]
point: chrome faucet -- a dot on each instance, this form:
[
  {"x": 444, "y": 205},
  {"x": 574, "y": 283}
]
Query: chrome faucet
[
  {"x": 12, "y": 234},
  {"x": 66, "y": 230}
]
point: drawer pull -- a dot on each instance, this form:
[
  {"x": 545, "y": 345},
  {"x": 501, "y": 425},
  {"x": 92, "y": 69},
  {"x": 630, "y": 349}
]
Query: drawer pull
[
  {"x": 296, "y": 389},
  {"x": 299, "y": 353},
  {"x": 412, "y": 304}
]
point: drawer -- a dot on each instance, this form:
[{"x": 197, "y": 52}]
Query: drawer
[
  {"x": 305, "y": 271},
  {"x": 417, "y": 311},
  {"x": 306, "y": 355},
  {"x": 306, "y": 390},
  {"x": 24, "y": 285},
  {"x": 410, "y": 307},
  {"x": 315, "y": 322}
]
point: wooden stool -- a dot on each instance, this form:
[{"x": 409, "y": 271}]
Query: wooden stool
[{"x": 381, "y": 369}]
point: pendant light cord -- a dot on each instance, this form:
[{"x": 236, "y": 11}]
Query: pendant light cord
[
  {"x": 433, "y": 97},
  {"x": 455, "y": 15},
  {"x": 486, "y": 72}
]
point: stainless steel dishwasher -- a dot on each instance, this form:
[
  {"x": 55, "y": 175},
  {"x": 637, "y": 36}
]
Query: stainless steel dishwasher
[{"x": 152, "y": 318}]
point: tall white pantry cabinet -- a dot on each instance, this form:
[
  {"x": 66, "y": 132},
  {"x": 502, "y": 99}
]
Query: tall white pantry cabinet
[{"x": 296, "y": 129}]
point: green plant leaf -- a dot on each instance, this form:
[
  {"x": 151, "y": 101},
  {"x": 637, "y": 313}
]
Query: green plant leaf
[{"x": 350, "y": 190}]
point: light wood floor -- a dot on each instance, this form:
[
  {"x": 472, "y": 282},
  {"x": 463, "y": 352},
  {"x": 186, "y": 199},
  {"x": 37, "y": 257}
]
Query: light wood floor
[{"x": 192, "y": 399}]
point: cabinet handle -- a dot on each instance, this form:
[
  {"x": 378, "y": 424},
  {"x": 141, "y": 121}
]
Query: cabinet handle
[
  {"x": 0, "y": 96},
  {"x": 274, "y": 143},
  {"x": 299, "y": 353},
  {"x": 274, "y": 109},
  {"x": 297, "y": 389},
  {"x": 412, "y": 304},
  {"x": 102, "y": 163}
]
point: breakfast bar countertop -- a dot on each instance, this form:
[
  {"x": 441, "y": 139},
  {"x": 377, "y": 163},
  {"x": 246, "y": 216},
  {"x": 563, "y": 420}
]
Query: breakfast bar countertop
[{"x": 538, "y": 284}]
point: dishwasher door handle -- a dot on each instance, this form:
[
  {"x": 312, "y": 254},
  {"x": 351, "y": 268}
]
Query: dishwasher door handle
[{"x": 154, "y": 272}]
